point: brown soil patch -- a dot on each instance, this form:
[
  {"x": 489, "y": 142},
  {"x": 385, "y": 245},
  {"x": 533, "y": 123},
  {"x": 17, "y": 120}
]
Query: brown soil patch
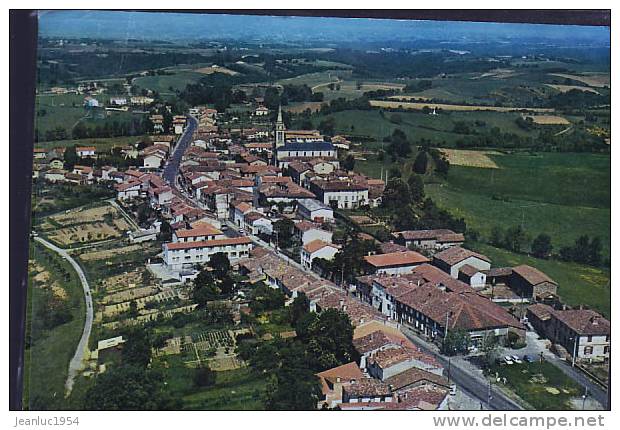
[
  {"x": 469, "y": 158},
  {"x": 549, "y": 120}
]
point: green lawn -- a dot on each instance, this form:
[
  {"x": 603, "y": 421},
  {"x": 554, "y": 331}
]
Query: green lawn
[
  {"x": 562, "y": 194},
  {"x": 47, "y": 360},
  {"x": 578, "y": 284},
  {"x": 162, "y": 83},
  {"x": 240, "y": 389},
  {"x": 552, "y": 391}
]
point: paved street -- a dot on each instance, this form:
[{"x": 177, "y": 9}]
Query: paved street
[
  {"x": 172, "y": 166},
  {"x": 471, "y": 381},
  {"x": 77, "y": 362}
]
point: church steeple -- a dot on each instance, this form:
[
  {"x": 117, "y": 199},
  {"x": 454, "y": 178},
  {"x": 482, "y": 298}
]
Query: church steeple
[{"x": 280, "y": 129}]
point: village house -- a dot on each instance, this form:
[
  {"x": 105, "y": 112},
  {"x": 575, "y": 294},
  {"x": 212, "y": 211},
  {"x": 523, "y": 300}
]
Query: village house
[
  {"x": 472, "y": 276},
  {"x": 255, "y": 222},
  {"x": 86, "y": 151},
  {"x": 178, "y": 255},
  {"x": 340, "y": 194},
  {"x": 332, "y": 381},
  {"x": 395, "y": 262},
  {"x": 237, "y": 212},
  {"x": 392, "y": 360},
  {"x": 317, "y": 249},
  {"x": 55, "y": 175},
  {"x": 261, "y": 111},
  {"x": 315, "y": 211},
  {"x": 531, "y": 283},
  {"x": 200, "y": 232},
  {"x": 452, "y": 259},
  {"x": 428, "y": 239},
  {"x": 299, "y": 151},
  {"x": 306, "y": 231},
  {"x": 584, "y": 333},
  {"x": 128, "y": 190},
  {"x": 366, "y": 390}
]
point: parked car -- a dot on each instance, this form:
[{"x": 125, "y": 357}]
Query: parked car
[
  {"x": 516, "y": 359},
  {"x": 528, "y": 358},
  {"x": 508, "y": 359},
  {"x": 452, "y": 389}
]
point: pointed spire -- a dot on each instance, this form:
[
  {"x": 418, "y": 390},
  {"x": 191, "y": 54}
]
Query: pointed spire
[{"x": 279, "y": 114}]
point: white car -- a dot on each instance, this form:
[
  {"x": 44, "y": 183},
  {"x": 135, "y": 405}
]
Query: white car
[
  {"x": 508, "y": 360},
  {"x": 516, "y": 359}
]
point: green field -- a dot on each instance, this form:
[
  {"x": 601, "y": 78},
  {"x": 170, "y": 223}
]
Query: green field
[
  {"x": 578, "y": 284},
  {"x": 66, "y": 110},
  {"x": 541, "y": 385},
  {"x": 47, "y": 360},
  {"x": 418, "y": 125},
  {"x": 240, "y": 389},
  {"x": 162, "y": 83},
  {"x": 562, "y": 194}
]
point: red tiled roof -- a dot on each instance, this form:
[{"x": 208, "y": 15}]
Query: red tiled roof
[
  {"x": 457, "y": 254},
  {"x": 584, "y": 322},
  {"x": 209, "y": 243},
  {"x": 396, "y": 259},
  {"x": 315, "y": 245},
  {"x": 532, "y": 275}
]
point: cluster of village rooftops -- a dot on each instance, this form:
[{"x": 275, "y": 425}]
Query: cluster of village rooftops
[{"x": 233, "y": 186}]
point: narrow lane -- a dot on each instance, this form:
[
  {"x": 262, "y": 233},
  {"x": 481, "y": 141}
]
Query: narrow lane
[
  {"x": 77, "y": 362},
  {"x": 172, "y": 166}
]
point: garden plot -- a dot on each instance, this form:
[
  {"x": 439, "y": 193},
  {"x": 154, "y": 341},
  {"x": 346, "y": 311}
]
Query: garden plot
[
  {"x": 141, "y": 302},
  {"x": 152, "y": 315},
  {"x": 86, "y": 225},
  {"x": 127, "y": 280},
  {"x": 108, "y": 253},
  {"x": 129, "y": 294}
]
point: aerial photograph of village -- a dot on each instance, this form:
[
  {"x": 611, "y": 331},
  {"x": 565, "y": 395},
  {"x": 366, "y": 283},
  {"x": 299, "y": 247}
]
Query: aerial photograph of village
[{"x": 253, "y": 212}]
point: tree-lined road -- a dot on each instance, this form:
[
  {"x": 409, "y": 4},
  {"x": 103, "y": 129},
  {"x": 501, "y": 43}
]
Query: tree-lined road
[{"x": 172, "y": 166}]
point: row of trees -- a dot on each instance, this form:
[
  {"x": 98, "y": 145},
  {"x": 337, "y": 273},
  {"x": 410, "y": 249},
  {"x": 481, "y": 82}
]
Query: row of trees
[{"x": 586, "y": 250}]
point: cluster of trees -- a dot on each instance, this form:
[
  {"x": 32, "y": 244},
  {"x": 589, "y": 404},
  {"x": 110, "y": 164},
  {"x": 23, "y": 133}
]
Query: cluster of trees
[
  {"x": 349, "y": 261},
  {"x": 132, "y": 127},
  {"x": 131, "y": 385},
  {"x": 418, "y": 86},
  {"x": 213, "y": 89},
  {"x": 584, "y": 251},
  {"x": 323, "y": 341},
  {"x": 214, "y": 281},
  {"x": 341, "y": 104},
  {"x": 300, "y": 93},
  {"x": 399, "y": 145},
  {"x": 577, "y": 99}
]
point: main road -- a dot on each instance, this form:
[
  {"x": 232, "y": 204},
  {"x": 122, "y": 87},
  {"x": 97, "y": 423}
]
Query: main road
[
  {"x": 77, "y": 362},
  {"x": 172, "y": 166}
]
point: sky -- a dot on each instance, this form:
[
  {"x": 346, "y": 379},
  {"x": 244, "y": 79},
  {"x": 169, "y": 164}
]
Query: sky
[{"x": 186, "y": 26}]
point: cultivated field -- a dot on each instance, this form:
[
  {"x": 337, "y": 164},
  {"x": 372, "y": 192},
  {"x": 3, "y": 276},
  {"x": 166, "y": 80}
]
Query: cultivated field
[
  {"x": 464, "y": 157},
  {"x": 108, "y": 253},
  {"x": 593, "y": 79},
  {"x": 549, "y": 120},
  {"x": 216, "y": 69},
  {"x": 418, "y": 106},
  {"x": 301, "y": 107},
  {"x": 85, "y": 225}
]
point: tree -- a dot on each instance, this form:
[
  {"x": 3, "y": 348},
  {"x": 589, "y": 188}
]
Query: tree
[
  {"x": 129, "y": 388},
  {"x": 455, "y": 342},
  {"x": 204, "y": 376},
  {"x": 541, "y": 246},
  {"x": 165, "y": 232},
  {"x": 396, "y": 194},
  {"x": 330, "y": 339},
  {"x": 349, "y": 162},
  {"x": 137, "y": 348},
  {"x": 421, "y": 163},
  {"x": 497, "y": 236},
  {"x": 220, "y": 264},
  {"x": 399, "y": 144},
  {"x": 394, "y": 172},
  {"x": 416, "y": 187},
  {"x": 70, "y": 157},
  {"x": 284, "y": 232},
  {"x": 299, "y": 307},
  {"x": 294, "y": 385},
  {"x": 515, "y": 239}
]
